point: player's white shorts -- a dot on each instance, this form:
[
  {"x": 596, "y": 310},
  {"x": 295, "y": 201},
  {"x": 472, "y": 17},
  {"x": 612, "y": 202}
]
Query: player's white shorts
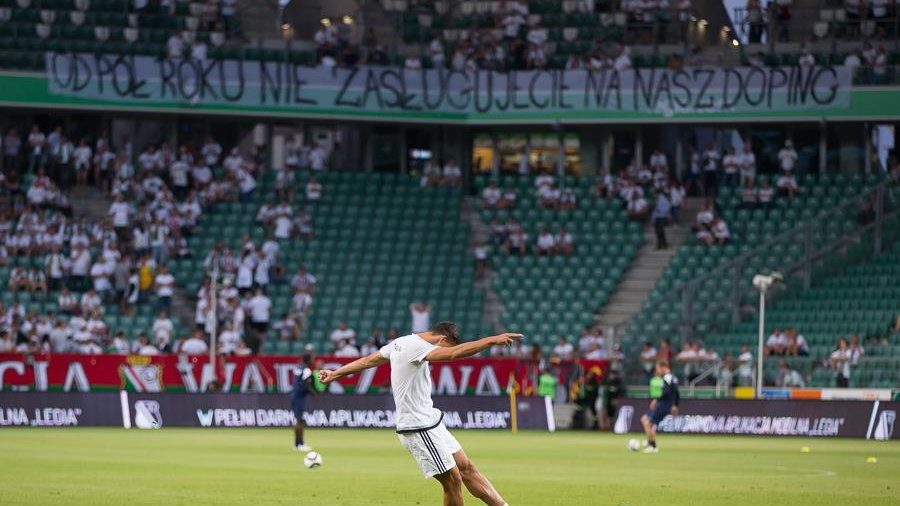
[{"x": 433, "y": 449}]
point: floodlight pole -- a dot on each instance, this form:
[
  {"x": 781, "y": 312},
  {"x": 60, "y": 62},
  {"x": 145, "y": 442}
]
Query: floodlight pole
[{"x": 759, "y": 351}]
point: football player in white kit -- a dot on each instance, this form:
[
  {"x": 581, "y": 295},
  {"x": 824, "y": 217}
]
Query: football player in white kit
[{"x": 419, "y": 424}]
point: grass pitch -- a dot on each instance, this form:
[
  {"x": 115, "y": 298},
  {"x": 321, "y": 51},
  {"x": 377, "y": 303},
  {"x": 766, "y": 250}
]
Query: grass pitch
[{"x": 365, "y": 467}]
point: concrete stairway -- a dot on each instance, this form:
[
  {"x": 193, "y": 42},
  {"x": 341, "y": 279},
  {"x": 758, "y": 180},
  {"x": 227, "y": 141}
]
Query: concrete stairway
[
  {"x": 92, "y": 203},
  {"x": 646, "y": 268}
]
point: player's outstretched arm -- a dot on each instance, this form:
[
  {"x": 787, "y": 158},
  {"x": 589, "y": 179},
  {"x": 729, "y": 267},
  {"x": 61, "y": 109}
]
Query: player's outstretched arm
[
  {"x": 471, "y": 348},
  {"x": 373, "y": 360}
]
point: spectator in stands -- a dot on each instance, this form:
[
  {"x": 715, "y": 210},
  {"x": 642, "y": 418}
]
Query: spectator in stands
[
  {"x": 711, "y": 159},
  {"x": 347, "y": 349},
  {"x": 508, "y": 199},
  {"x": 421, "y": 316},
  {"x": 90, "y": 302},
  {"x": 287, "y": 328},
  {"x": 412, "y": 62},
  {"x": 766, "y": 196},
  {"x": 304, "y": 280},
  {"x": 854, "y": 61},
  {"x": 536, "y": 58},
  {"x": 637, "y": 207},
  {"x": 37, "y": 281},
  {"x": 314, "y": 190},
  {"x": 787, "y": 156},
  {"x": 563, "y": 349},
  {"x": 787, "y": 184},
  {"x": 596, "y": 352},
  {"x": 755, "y": 20},
  {"x": 452, "y": 174},
  {"x": 194, "y": 345},
  {"x": 745, "y": 366},
  {"x": 517, "y": 240},
  {"x": 229, "y": 340},
  {"x": 512, "y": 24},
  {"x": 260, "y": 307},
  {"x": 749, "y": 197},
  {"x": 841, "y": 361},
  {"x": 303, "y": 226},
  {"x": 491, "y": 196},
  {"x": 565, "y": 243},
  {"x": 163, "y": 328},
  {"x": 787, "y": 377},
  {"x": 567, "y": 200},
  {"x": 796, "y": 343},
  {"x": 662, "y": 211},
  {"x": 37, "y": 148},
  {"x": 622, "y": 61},
  {"x": 777, "y": 343},
  {"x": 689, "y": 357},
  {"x": 436, "y": 51},
  {"x": 605, "y": 185},
  {"x": 18, "y": 279},
  {"x": 164, "y": 284},
  {"x": 718, "y": 233},
  {"x": 119, "y": 345},
  {"x": 342, "y": 333},
  {"x": 658, "y": 160},
  {"x": 748, "y": 165},
  {"x": 806, "y": 59},
  {"x": 548, "y": 196},
  {"x": 175, "y": 46},
  {"x": 66, "y": 302},
  {"x": 431, "y": 174},
  {"x": 731, "y": 165},
  {"x": 143, "y": 346},
  {"x": 856, "y": 350},
  {"x": 83, "y": 157},
  {"x": 546, "y": 243},
  {"x": 648, "y": 359}
]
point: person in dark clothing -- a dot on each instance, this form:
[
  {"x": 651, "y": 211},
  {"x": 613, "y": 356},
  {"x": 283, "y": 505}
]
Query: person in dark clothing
[
  {"x": 614, "y": 390},
  {"x": 586, "y": 400},
  {"x": 660, "y": 408},
  {"x": 305, "y": 384}
]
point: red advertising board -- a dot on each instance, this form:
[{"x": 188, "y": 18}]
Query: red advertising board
[{"x": 175, "y": 373}]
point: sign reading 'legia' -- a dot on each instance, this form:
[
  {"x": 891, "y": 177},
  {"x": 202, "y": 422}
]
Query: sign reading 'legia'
[{"x": 458, "y": 94}]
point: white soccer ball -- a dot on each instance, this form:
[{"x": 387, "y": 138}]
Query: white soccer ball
[
  {"x": 312, "y": 460},
  {"x": 634, "y": 445}
]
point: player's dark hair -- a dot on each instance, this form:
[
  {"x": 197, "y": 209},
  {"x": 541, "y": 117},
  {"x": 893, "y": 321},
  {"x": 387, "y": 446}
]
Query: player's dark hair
[
  {"x": 447, "y": 329},
  {"x": 663, "y": 363}
]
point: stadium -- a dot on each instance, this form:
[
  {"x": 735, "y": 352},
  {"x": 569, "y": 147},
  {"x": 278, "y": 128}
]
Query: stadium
[{"x": 584, "y": 252}]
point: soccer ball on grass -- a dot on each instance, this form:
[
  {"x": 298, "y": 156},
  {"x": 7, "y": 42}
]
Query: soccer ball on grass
[
  {"x": 634, "y": 445},
  {"x": 312, "y": 460}
]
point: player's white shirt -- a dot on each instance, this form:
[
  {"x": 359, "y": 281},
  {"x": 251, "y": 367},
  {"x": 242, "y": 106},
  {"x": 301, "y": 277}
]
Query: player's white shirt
[{"x": 411, "y": 382}]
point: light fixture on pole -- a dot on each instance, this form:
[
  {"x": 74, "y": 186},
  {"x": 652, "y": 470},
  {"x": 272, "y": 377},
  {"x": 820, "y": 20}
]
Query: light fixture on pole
[{"x": 762, "y": 283}]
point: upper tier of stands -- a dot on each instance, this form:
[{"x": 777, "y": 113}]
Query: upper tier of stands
[{"x": 28, "y": 28}]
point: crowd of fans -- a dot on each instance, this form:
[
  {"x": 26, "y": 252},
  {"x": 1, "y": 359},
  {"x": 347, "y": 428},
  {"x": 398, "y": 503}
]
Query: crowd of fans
[
  {"x": 514, "y": 38},
  {"x": 82, "y": 267},
  {"x": 512, "y": 238},
  {"x": 591, "y": 345}
]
